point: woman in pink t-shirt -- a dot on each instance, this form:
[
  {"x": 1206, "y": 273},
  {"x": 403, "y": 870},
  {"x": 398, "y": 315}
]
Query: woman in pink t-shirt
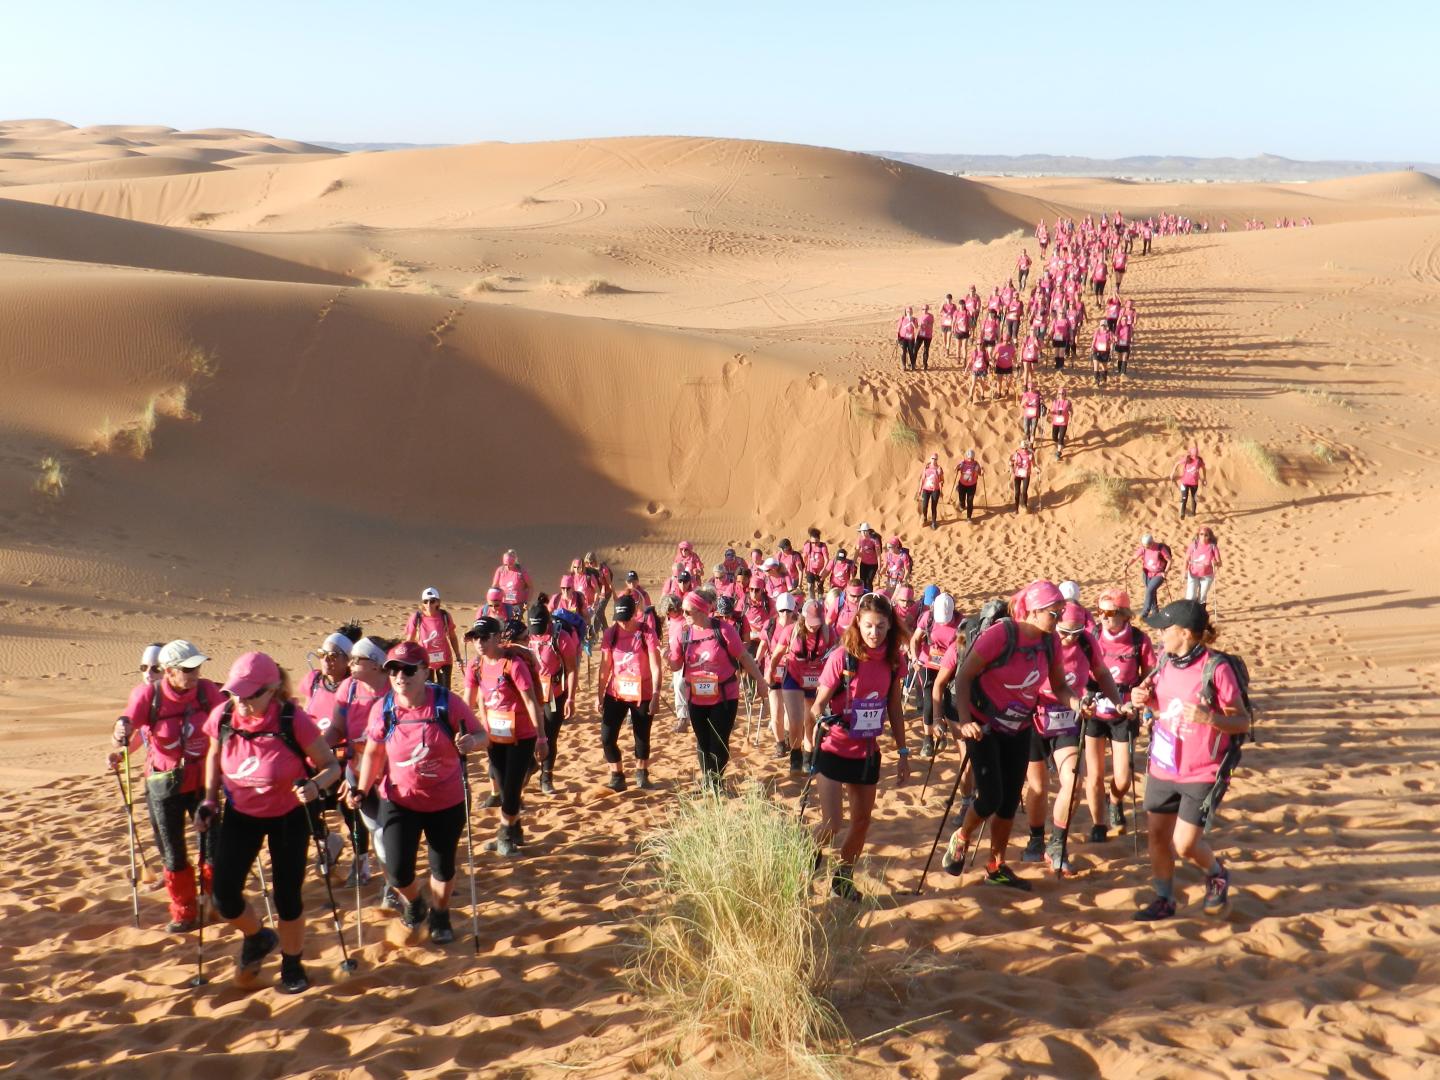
[
  {"x": 997, "y": 691},
  {"x": 1189, "y": 470},
  {"x": 353, "y": 698},
  {"x": 1197, "y": 721},
  {"x": 262, "y": 749},
  {"x": 628, "y": 685},
  {"x": 858, "y": 697},
  {"x": 434, "y": 630},
  {"x": 1202, "y": 559}
]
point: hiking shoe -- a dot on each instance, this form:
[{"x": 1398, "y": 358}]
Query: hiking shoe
[
  {"x": 681, "y": 723},
  {"x": 797, "y": 762},
  {"x": 415, "y": 912},
  {"x": 505, "y": 841},
  {"x": 390, "y": 900},
  {"x": 842, "y": 883},
  {"x": 547, "y": 783},
  {"x": 293, "y": 979},
  {"x": 1116, "y": 816},
  {"x": 642, "y": 780},
  {"x": 183, "y": 926},
  {"x": 492, "y": 802},
  {"x": 927, "y": 746},
  {"x": 1057, "y": 855},
  {"x": 325, "y": 861},
  {"x": 954, "y": 860},
  {"x": 440, "y": 930},
  {"x": 1157, "y": 909},
  {"x": 254, "y": 949},
  {"x": 781, "y": 750},
  {"x": 1098, "y": 834},
  {"x": 617, "y": 782},
  {"x": 1003, "y": 875},
  {"x": 1217, "y": 893},
  {"x": 360, "y": 869},
  {"x": 1034, "y": 849}
]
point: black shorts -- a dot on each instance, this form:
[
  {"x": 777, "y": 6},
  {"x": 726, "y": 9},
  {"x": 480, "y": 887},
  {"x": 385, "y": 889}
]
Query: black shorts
[
  {"x": 1043, "y": 747},
  {"x": 813, "y": 580},
  {"x": 845, "y": 770},
  {"x": 1004, "y": 371},
  {"x": 1114, "y": 730},
  {"x": 1170, "y": 797}
]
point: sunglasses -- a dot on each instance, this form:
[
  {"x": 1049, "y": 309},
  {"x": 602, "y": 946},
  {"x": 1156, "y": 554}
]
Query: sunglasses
[
  {"x": 408, "y": 670},
  {"x": 432, "y": 600},
  {"x": 1065, "y": 631},
  {"x": 147, "y": 669},
  {"x": 247, "y": 698}
]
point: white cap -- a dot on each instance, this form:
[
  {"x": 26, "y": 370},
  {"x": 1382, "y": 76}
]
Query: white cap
[
  {"x": 431, "y": 593},
  {"x": 366, "y": 649},
  {"x": 151, "y": 656},
  {"x": 337, "y": 643},
  {"x": 769, "y": 564},
  {"x": 943, "y": 609},
  {"x": 180, "y": 653},
  {"x": 1070, "y": 590},
  {"x": 785, "y": 602},
  {"x": 1147, "y": 538},
  {"x": 864, "y": 527}
]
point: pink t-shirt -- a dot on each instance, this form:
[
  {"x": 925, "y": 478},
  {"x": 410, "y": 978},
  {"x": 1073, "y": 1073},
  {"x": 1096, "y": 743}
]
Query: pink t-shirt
[
  {"x": 320, "y": 704},
  {"x": 864, "y": 712},
  {"x": 1014, "y": 688},
  {"x": 1051, "y": 718},
  {"x": 969, "y": 472},
  {"x": 1128, "y": 655},
  {"x": 434, "y": 636},
  {"x": 352, "y": 707},
  {"x": 790, "y": 561},
  {"x": 927, "y": 325},
  {"x": 629, "y": 652},
  {"x": 257, "y": 769},
  {"x": 1004, "y": 356},
  {"x": 1020, "y": 462},
  {"x": 1030, "y": 352},
  {"x": 1189, "y": 753},
  {"x": 502, "y": 684},
  {"x": 932, "y": 478},
  {"x": 897, "y": 565},
  {"x": 514, "y": 582},
  {"x": 553, "y": 653},
  {"x": 905, "y": 328},
  {"x": 1190, "y": 471},
  {"x": 815, "y": 554},
  {"x": 178, "y": 733},
  {"x": 1102, "y": 339},
  {"x": 1153, "y": 558},
  {"x": 421, "y": 767},
  {"x": 1200, "y": 559},
  {"x": 868, "y": 551},
  {"x": 939, "y": 637},
  {"x": 1060, "y": 410},
  {"x": 1030, "y": 403},
  {"x": 841, "y": 571},
  {"x": 706, "y": 663}
]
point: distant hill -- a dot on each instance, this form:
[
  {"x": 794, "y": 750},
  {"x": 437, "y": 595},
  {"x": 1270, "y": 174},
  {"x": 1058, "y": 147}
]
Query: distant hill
[
  {"x": 1265, "y": 167},
  {"x": 350, "y": 147}
]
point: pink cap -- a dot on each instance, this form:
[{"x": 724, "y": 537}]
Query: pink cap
[
  {"x": 567, "y": 582},
  {"x": 494, "y": 596},
  {"x": 1073, "y": 615},
  {"x": 250, "y": 674},
  {"x": 1036, "y": 596},
  {"x": 1117, "y": 598},
  {"x": 407, "y": 652}
]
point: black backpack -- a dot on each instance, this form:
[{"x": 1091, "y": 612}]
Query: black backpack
[
  {"x": 286, "y": 734},
  {"x": 1241, "y": 672},
  {"x": 978, "y": 697}
]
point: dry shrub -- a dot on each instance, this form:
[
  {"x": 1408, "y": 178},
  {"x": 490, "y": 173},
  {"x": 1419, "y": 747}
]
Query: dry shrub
[
  {"x": 1266, "y": 463},
  {"x": 739, "y": 953},
  {"x": 51, "y": 481},
  {"x": 1112, "y": 492}
]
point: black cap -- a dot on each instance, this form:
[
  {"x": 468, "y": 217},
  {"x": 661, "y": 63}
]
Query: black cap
[
  {"x": 840, "y": 554},
  {"x": 539, "y": 618},
  {"x": 1190, "y": 614},
  {"x": 624, "y": 607},
  {"x": 631, "y": 575},
  {"x": 729, "y": 553},
  {"x": 684, "y": 575},
  {"x": 485, "y": 626}
]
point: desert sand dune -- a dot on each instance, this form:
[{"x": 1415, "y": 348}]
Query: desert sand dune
[{"x": 255, "y": 452}]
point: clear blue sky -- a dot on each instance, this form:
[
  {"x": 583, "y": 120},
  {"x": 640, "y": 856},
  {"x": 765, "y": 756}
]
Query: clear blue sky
[{"x": 1358, "y": 79}]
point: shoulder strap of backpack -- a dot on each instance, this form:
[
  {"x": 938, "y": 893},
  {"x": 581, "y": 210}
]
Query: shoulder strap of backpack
[
  {"x": 442, "y": 709},
  {"x": 287, "y": 732},
  {"x": 388, "y": 710},
  {"x": 226, "y": 727},
  {"x": 154, "y": 704}
]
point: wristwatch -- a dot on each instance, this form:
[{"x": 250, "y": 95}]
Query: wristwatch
[{"x": 904, "y": 751}]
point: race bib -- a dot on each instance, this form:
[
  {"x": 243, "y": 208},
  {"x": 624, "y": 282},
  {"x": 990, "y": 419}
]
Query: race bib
[
  {"x": 706, "y": 687},
  {"x": 1059, "y": 719},
  {"x": 629, "y": 687},
  {"x": 810, "y": 682},
  {"x": 502, "y": 725},
  {"x": 867, "y": 719},
  {"x": 511, "y": 596},
  {"x": 1162, "y": 748},
  {"x": 437, "y": 656}
]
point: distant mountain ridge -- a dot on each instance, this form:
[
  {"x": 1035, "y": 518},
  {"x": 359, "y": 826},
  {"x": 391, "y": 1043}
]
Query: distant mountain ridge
[{"x": 1264, "y": 167}]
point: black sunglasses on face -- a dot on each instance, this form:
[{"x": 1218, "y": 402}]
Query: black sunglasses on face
[{"x": 408, "y": 670}]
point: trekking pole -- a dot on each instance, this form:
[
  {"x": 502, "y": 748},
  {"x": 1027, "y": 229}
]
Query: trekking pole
[
  {"x": 944, "y": 817},
  {"x": 318, "y": 833},
  {"x": 355, "y": 855},
  {"x": 470, "y": 856},
  {"x": 980, "y": 839},
  {"x": 1070, "y": 814},
  {"x": 821, "y": 727},
  {"x": 130, "y": 836},
  {"x": 264, "y": 885},
  {"x": 201, "y": 896}
]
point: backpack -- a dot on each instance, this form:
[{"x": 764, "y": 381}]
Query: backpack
[
  {"x": 202, "y": 699},
  {"x": 1242, "y": 679},
  {"x": 286, "y": 734},
  {"x": 720, "y": 638},
  {"x": 413, "y": 627},
  {"x": 978, "y": 697},
  {"x": 442, "y": 713},
  {"x": 571, "y": 620}
]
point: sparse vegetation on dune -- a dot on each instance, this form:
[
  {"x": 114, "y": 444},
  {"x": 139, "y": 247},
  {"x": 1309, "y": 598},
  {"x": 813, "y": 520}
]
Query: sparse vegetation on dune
[
  {"x": 1263, "y": 458},
  {"x": 1111, "y": 491},
  {"x": 51, "y": 481}
]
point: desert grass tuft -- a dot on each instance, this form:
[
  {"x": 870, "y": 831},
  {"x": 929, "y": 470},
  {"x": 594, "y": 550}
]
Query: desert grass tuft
[
  {"x": 1266, "y": 463},
  {"x": 1111, "y": 491},
  {"x": 902, "y": 434},
  {"x": 737, "y": 951},
  {"x": 51, "y": 481}
]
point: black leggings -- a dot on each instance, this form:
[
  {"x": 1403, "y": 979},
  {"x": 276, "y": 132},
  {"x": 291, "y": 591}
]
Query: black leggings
[
  {"x": 1122, "y": 357},
  {"x": 1030, "y": 424},
  {"x": 867, "y": 575},
  {"x": 923, "y": 346},
  {"x": 1057, "y": 435},
  {"x": 1022, "y": 491},
  {"x": 237, "y": 847},
  {"x": 169, "y": 818},
  {"x": 401, "y": 827},
  {"x": 1023, "y": 275},
  {"x": 907, "y": 353},
  {"x": 510, "y": 767},
  {"x": 929, "y": 506},
  {"x": 998, "y": 762},
  {"x": 966, "y": 497},
  {"x": 927, "y": 698},
  {"x": 612, "y": 718},
  {"x": 1188, "y": 491},
  {"x": 441, "y": 675},
  {"x": 712, "y": 725},
  {"x": 554, "y": 721}
]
